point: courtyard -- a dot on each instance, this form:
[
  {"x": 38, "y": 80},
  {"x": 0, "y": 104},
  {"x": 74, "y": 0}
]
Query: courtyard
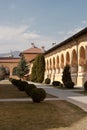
[{"x": 47, "y": 115}]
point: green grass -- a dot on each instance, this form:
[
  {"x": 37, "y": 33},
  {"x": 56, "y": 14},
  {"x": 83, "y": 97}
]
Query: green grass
[{"x": 38, "y": 116}]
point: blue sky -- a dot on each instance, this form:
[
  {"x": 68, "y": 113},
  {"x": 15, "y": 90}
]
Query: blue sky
[{"x": 40, "y": 21}]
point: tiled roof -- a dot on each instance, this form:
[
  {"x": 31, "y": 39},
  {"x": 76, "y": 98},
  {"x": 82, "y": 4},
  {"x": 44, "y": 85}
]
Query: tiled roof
[
  {"x": 33, "y": 50},
  {"x": 9, "y": 60}
]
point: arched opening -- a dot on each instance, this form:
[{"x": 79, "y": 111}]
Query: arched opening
[
  {"x": 14, "y": 71},
  {"x": 57, "y": 64},
  {"x": 57, "y": 61},
  {"x": 50, "y": 64},
  {"x": 62, "y": 61},
  {"x": 82, "y": 58},
  {"x": 74, "y": 59},
  {"x": 67, "y": 58},
  {"x": 47, "y": 65},
  {"x": 74, "y": 62},
  {"x": 7, "y": 72},
  {"x": 53, "y": 62}
]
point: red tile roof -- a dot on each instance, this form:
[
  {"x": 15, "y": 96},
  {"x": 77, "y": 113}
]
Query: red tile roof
[
  {"x": 33, "y": 50},
  {"x": 9, "y": 60}
]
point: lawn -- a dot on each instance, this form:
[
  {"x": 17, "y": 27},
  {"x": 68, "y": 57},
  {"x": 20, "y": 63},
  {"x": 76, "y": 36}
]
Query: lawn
[
  {"x": 35, "y": 116},
  {"x": 38, "y": 116},
  {"x": 10, "y": 91},
  {"x": 7, "y": 90}
]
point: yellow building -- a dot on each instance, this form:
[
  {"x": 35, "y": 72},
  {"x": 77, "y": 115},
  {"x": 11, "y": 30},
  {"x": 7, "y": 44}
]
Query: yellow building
[{"x": 72, "y": 51}]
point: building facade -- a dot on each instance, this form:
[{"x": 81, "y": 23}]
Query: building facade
[{"x": 73, "y": 52}]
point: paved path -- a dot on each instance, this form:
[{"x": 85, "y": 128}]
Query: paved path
[{"x": 69, "y": 95}]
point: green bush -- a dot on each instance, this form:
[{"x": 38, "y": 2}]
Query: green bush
[
  {"x": 56, "y": 83},
  {"x": 38, "y": 95},
  {"x": 21, "y": 85},
  {"x": 14, "y": 81},
  {"x": 29, "y": 88},
  {"x": 69, "y": 84},
  {"x": 66, "y": 74},
  {"x": 61, "y": 85},
  {"x": 2, "y": 77},
  {"x": 47, "y": 81},
  {"x": 85, "y": 86}
]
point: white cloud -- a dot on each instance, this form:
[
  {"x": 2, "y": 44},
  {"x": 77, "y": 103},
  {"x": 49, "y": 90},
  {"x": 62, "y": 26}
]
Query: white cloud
[
  {"x": 84, "y": 22},
  {"x": 16, "y": 37},
  {"x": 20, "y": 38},
  {"x": 9, "y": 33}
]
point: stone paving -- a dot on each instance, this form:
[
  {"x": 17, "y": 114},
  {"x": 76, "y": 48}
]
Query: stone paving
[{"x": 68, "y": 95}]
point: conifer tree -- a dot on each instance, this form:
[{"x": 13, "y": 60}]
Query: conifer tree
[
  {"x": 22, "y": 67},
  {"x": 2, "y": 72},
  {"x": 66, "y": 74},
  {"x": 38, "y": 69}
]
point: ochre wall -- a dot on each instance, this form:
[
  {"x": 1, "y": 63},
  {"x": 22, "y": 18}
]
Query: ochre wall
[{"x": 73, "y": 53}]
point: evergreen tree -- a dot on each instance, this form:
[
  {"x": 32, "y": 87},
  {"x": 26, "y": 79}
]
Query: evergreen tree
[
  {"x": 2, "y": 72},
  {"x": 33, "y": 74},
  {"x": 38, "y": 69},
  {"x": 22, "y": 67},
  {"x": 66, "y": 77}
]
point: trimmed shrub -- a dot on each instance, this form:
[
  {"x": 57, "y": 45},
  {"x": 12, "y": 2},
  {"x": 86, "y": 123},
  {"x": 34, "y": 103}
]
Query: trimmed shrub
[
  {"x": 69, "y": 84},
  {"x": 56, "y": 83},
  {"x": 61, "y": 85},
  {"x": 29, "y": 88},
  {"x": 21, "y": 85},
  {"x": 66, "y": 75},
  {"x": 2, "y": 77},
  {"x": 38, "y": 95},
  {"x": 47, "y": 81},
  {"x": 85, "y": 86},
  {"x": 14, "y": 81}
]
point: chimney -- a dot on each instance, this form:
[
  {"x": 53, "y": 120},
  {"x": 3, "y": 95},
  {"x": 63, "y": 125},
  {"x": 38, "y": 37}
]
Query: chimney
[
  {"x": 33, "y": 46},
  {"x": 43, "y": 48},
  {"x": 54, "y": 43}
]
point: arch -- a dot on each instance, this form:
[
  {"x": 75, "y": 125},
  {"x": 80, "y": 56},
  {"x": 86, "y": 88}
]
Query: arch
[
  {"x": 62, "y": 61},
  {"x": 74, "y": 59},
  {"x": 50, "y": 63},
  {"x": 57, "y": 61},
  {"x": 67, "y": 58},
  {"x": 47, "y": 63},
  {"x": 53, "y": 62},
  {"x": 82, "y": 56},
  {"x": 7, "y": 71},
  {"x": 14, "y": 71}
]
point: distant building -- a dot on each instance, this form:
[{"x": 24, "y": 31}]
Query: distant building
[{"x": 32, "y": 52}]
